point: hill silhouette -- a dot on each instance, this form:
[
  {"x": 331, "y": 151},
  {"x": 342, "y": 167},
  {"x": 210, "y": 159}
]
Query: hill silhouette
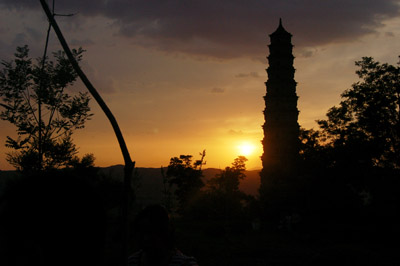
[{"x": 149, "y": 184}]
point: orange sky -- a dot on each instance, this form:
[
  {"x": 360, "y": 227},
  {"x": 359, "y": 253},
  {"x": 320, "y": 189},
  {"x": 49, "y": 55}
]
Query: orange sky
[{"x": 180, "y": 96}]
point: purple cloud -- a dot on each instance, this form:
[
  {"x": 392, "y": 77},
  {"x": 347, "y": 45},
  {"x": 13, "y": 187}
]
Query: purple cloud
[{"x": 227, "y": 29}]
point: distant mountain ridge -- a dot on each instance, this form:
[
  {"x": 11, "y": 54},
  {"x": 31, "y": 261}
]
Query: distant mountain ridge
[
  {"x": 149, "y": 184},
  {"x": 151, "y": 177}
]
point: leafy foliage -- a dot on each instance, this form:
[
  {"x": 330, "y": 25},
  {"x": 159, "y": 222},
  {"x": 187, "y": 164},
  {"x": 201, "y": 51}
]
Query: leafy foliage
[
  {"x": 356, "y": 153},
  {"x": 33, "y": 98},
  {"x": 227, "y": 182},
  {"x": 366, "y": 124},
  {"x": 224, "y": 198},
  {"x": 186, "y": 176}
]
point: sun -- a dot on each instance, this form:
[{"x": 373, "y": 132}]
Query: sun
[{"x": 246, "y": 148}]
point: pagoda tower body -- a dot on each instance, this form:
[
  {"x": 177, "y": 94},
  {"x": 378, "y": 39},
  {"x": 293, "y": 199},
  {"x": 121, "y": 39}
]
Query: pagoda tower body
[{"x": 281, "y": 128}]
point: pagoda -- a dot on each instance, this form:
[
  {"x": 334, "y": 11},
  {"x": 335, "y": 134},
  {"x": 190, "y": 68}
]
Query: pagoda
[{"x": 281, "y": 129}]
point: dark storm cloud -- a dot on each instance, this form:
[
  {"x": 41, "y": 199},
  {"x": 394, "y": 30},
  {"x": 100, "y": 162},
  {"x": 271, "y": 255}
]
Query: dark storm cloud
[{"x": 231, "y": 28}]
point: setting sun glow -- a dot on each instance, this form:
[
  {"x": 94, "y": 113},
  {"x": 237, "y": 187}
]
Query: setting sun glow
[{"x": 246, "y": 148}]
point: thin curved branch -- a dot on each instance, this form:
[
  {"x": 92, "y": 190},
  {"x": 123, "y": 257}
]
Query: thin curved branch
[
  {"x": 129, "y": 165},
  {"x": 88, "y": 84}
]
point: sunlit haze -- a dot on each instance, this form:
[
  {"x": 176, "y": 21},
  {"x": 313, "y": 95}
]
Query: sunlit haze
[{"x": 246, "y": 149}]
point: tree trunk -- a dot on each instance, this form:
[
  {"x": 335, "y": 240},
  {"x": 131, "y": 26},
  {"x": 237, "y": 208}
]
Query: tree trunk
[{"x": 129, "y": 165}]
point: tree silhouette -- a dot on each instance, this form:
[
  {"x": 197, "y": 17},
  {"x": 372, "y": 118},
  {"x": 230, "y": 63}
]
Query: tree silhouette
[
  {"x": 350, "y": 166},
  {"x": 366, "y": 124},
  {"x": 227, "y": 182},
  {"x": 222, "y": 198},
  {"x": 186, "y": 176},
  {"x": 44, "y": 130}
]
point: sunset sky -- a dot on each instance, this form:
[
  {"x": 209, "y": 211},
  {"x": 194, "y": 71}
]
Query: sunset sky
[{"x": 183, "y": 76}]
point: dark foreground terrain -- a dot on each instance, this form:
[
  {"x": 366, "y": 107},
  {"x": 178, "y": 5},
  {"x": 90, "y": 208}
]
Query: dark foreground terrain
[
  {"x": 236, "y": 243},
  {"x": 49, "y": 218}
]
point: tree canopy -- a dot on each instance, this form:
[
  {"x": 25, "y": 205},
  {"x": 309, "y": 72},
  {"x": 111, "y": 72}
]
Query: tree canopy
[
  {"x": 228, "y": 181},
  {"x": 34, "y": 98},
  {"x": 366, "y": 124},
  {"x": 186, "y": 176}
]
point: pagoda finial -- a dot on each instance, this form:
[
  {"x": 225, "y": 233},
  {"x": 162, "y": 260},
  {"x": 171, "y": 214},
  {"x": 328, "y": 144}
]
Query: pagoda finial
[{"x": 280, "y": 30}]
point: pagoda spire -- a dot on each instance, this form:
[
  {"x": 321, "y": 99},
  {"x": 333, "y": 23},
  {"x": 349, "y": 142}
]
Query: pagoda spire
[{"x": 280, "y": 31}]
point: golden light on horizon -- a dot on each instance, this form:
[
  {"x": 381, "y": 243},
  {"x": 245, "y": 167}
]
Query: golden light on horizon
[{"x": 246, "y": 148}]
